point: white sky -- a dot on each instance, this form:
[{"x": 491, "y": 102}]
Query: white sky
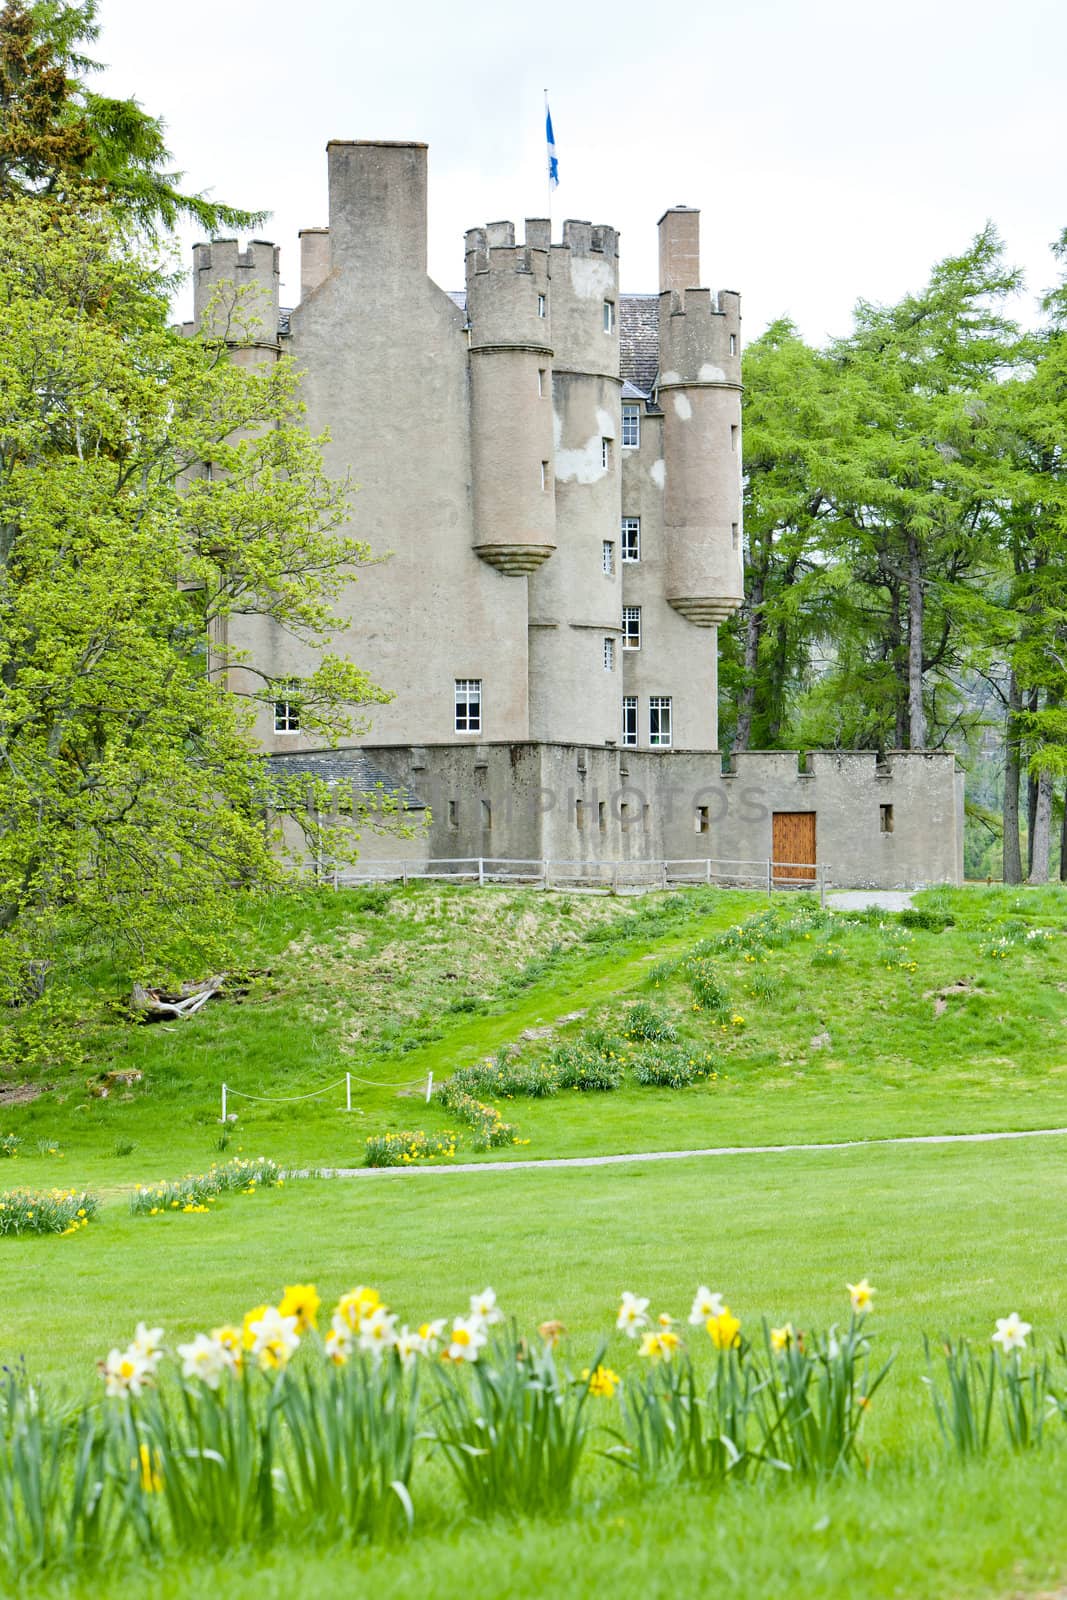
[{"x": 836, "y": 148}]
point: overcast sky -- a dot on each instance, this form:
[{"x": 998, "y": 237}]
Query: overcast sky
[{"x": 836, "y": 148}]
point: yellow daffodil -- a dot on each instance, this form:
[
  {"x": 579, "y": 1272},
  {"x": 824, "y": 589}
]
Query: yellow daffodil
[
  {"x": 861, "y": 1296},
  {"x": 782, "y": 1338},
  {"x": 248, "y": 1338},
  {"x": 301, "y": 1300},
  {"x": 151, "y": 1476},
  {"x": 602, "y": 1381},
  {"x": 724, "y": 1330},
  {"x": 357, "y": 1304},
  {"x": 552, "y": 1332}
]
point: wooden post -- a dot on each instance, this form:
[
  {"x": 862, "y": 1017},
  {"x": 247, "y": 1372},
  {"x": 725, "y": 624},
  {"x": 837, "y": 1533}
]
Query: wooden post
[
  {"x": 224, "y": 1103},
  {"x": 770, "y": 877},
  {"x": 481, "y": 872}
]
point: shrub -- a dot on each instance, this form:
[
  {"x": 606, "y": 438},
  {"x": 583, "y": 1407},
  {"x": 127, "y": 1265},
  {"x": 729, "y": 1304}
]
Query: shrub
[
  {"x": 9, "y": 1145},
  {"x": 404, "y": 1149},
  {"x": 62, "y": 1211},
  {"x": 921, "y": 917},
  {"x": 666, "y": 1069},
  {"x": 588, "y": 1070},
  {"x": 643, "y": 1021},
  {"x": 506, "y": 1077}
]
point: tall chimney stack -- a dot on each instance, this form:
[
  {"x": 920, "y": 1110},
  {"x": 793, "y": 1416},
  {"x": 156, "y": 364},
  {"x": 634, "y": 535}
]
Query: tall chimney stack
[{"x": 679, "y": 249}]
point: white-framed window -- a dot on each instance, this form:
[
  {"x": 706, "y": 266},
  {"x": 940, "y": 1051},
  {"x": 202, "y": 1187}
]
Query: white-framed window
[
  {"x": 607, "y": 557},
  {"x": 468, "y": 705},
  {"x": 287, "y": 706},
  {"x": 630, "y": 534},
  {"x": 659, "y": 720},
  {"x": 609, "y": 655},
  {"x": 541, "y": 306},
  {"x": 629, "y": 720},
  {"x": 631, "y": 427},
  {"x": 605, "y": 454},
  {"x": 609, "y": 316},
  {"x": 631, "y": 627}
]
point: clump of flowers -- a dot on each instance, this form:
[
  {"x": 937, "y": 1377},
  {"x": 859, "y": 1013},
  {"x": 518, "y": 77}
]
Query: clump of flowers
[
  {"x": 488, "y": 1126},
  {"x": 9, "y": 1145},
  {"x": 406, "y": 1148},
  {"x": 60, "y": 1211},
  {"x": 197, "y": 1192}
]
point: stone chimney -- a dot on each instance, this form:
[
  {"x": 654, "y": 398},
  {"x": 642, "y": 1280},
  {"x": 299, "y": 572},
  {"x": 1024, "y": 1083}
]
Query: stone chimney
[{"x": 679, "y": 249}]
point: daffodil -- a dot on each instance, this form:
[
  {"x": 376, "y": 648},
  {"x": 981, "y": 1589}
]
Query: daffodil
[
  {"x": 430, "y": 1334},
  {"x": 659, "y": 1346},
  {"x": 632, "y": 1314},
  {"x": 125, "y": 1372},
  {"x": 231, "y": 1340},
  {"x": 552, "y": 1331},
  {"x": 274, "y": 1339},
  {"x": 248, "y": 1338},
  {"x": 408, "y": 1345},
  {"x": 724, "y": 1330},
  {"x": 466, "y": 1339},
  {"x": 861, "y": 1295},
  {"x": 782, "y": 1338},
  {"x": 149, "y": 1464},
  {"x": 357, "y": 1304},
  {"x": 378, "y": 1331},
  {"x": 665, "y": 1320},
  {"x": 205, "y": 1359},
  {"x": 339, "y": 1341},
  {"x": 602, "y": 1381},
  {"x": 1011, "y": 1333},
  {"x": 484, "y": 1307},
  {"x": 149, "y": 1343},
  {"x": 705, "y": 1305},
  {"x": 301, "y": 1300}
]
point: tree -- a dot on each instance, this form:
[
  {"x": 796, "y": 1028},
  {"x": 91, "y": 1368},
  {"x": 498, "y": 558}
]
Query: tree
[
  {"x": 149, "y": 489},
  {"x": 57, "y": 136}
]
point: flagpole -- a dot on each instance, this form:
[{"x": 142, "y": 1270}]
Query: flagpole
[{"x": 548, "y": 180}]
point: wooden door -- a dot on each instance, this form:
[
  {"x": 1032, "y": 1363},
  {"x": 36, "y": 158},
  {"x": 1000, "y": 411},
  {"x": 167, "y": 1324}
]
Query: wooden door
[{"x": 793, "y": 846}]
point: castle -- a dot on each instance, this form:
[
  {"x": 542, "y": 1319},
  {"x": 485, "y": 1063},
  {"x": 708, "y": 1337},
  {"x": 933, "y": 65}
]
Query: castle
[{"x": 554, "y": 472}]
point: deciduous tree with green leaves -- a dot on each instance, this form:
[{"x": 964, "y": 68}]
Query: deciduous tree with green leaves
[{"x": 150, "y": 489}]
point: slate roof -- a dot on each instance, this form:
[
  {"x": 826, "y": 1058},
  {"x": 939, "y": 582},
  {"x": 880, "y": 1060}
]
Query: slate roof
[
  {"x": 639, "y": 340},
  {"x": 351, "y": 768}
]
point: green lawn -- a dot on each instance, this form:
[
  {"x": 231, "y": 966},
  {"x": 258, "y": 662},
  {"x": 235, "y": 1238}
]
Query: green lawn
[{"x": 950, "y": 1236}]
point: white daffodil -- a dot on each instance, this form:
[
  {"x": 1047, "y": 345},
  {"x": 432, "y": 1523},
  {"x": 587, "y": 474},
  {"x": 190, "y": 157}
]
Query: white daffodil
[
  {"x": 665, "y": 1321},
  {"x": 408, "y": 1345},
  {"x": 466, "y": 1339},
  {"x": 705, "y": 1305},
  {"x": 339, "y": 1340},
  {"x": 378, "y": 1331},
  {"x": 1011, "y": 1333},
  {"x": 205, "y": 1358},
  {"x": 125, "y": 1372},
  {"x": 148, "y": 1342},
  {"x": 430, "y": 1333},
  {"x": 274, "y": 1338},
  {"x": 485, "y": 1308},
  {"x": 631, "y": 1318}
]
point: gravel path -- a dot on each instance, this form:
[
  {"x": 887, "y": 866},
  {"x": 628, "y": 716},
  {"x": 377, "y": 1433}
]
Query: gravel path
[
  {"x": 689, "y": 1155},
  {"x": 869, "y": 900}
]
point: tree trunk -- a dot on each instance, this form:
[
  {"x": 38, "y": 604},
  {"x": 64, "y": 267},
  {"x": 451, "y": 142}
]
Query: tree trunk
[
  {"x": 1013, "y": 861},
  {"x": 1063, "y": 839},
  {"x": 1042, "y": 831},
  {"x": 916, "y": 720},
  {"x": 753, "y": 630}
]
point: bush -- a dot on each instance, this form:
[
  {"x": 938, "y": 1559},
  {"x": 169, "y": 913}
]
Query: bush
[
  {"x": 62, "y": 1211},
  {"x": 643, "y": 1021},
  {"x": 931, "y": 921},
  {"x": 404, "y": 1149},
  {"x": 665, "y": 1069},
  {"x": 577, "y": 1066},
  {"x": 506, "y": 1077}
]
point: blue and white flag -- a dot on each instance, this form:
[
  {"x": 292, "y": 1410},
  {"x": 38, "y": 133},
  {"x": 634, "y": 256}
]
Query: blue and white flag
[{"x": 553, "y": 160}]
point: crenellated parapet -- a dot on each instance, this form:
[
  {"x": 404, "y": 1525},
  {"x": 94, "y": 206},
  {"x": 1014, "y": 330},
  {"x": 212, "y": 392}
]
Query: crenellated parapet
[
  {"x": 223, "y": 275},
  {"x": 508, "y": 299},
  {"x": 700, "y": 339}
]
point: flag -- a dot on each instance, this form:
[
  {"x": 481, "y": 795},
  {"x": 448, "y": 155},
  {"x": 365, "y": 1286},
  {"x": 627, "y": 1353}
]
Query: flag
[{"x": 553, "y": 160}]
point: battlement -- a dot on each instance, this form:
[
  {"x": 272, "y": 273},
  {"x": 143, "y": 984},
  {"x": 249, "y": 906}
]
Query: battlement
[
  {"x": 223, "y": 262},
  {"x": 700, "y": 336},
  {"x": 221, "y": 257},
  {"x": 589, "y": 238}
]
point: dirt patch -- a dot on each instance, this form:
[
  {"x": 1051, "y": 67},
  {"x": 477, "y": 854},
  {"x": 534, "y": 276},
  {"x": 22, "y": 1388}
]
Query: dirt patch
[
  {"x": 20, "y": 1094},
  {"x": 941, "y": 997}
]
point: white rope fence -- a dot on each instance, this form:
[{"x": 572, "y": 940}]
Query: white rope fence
[{"x": 229, "y": 1092}]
